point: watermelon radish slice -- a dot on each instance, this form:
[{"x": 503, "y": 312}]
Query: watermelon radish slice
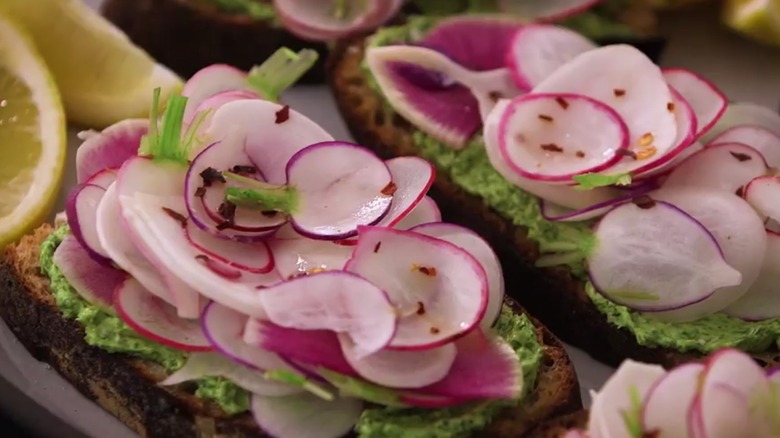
[
  {"x": 439, "y": 290},
  {"x": 550, "y": 10},
  {"x": 707, "y": 101},
  {"x": 154, "y": 319},
  {"x": 252, "y": 257},
  {"x": 338, "y": 301},
  {"x": 745, "y": 113},
  {"x": 762, "y": 301},
  {"x": 757, "y": 137},
  {"x": 425, "y": 212},
  {"x": 81, "y": 210},
  {"x": 200, "y": 365},
  {"x": 103, "y": 179},
  {"x": 665, "y": 407},
  {"x": 209, "y": 81},
  {"x": 556, "y": 213},
  {"x": 305, "y": 415},
  {"x": 541, "y": 139},
  {"x": 763, "y": 194},
  {"x": 653, "y": 257},
  {"x": 738, "y": 232},
  {"x": 109, "y": 148},
  {"x": 300, "y": 255},
  {"x": 92, "y": 281},
  {"x": 538, "y": 50},
  {"x": 726, "y": 167}
]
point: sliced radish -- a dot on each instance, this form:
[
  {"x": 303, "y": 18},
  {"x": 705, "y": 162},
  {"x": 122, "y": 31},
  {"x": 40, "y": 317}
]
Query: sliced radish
[
  {"x": 744, "y": 113},
  {"x": 708, "y": 102},
  {"x": 339, "y": 186},
  {"x": 412, "y": 177},
  {"x": 81, "y": 209},
  {"x": 337, "y": 301},
  {"x": 321, "y": 20},
  {"x": 207, "y": 82},
  {"x": 556, "y": 213},
  {"x": 252, "y": 257},
  {"x": 104, "y": 178},
  {"x": 152, "y": 318},
  {"x": 625, "y": 79},
  {"x": 550, "y": 10},
  {"x": 653, "y": 257},
  {"x": 544, "y": 140},
  {"x": 762, "y": 300},
  {"x": 667, "y": 402},
  {"x": 92, "y": 281},
  {"x": 720, "y": 411},
  {"x": 109, "y": 148},
  {"x": 301, "y": 255},
  {"x": 439, "y": 290},
  {"x": 472, "y": 243},
  {"x": 210, "y": 105},
  {"x": 306, "y": 415},
  {"x": 425, "y": 212},
  {"x": 201, "y": 365},
  {"x": 736, "y": 369},
  {"x": 725, "y": 167},
  {"x": 763, "y": 194},
  {"x": 757, "y": 137},
  {"x": 539, "y": 49}
]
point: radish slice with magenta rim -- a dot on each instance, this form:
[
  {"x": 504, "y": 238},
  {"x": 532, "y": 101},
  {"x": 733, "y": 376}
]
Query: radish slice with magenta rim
[
  {"x": 757, "y": 137},
  {"x": 300, "y": 255},
  {"x": 726, "y": 167},
  {"x": 745, "y": 113},
  {"x": 720, "y": 411},
  {"x": 209, "y": 81},
  {"x": 323, "y": 20},
  {"x": 550, "y": 10},
  {"x": 707, "y": 101},
  {"x": 306, "y": 415},
  {"x": 553, "y": 137},
  {"x": 252, "y": 257},
  {"x": 109, "y": 148},
  {"x": 653, "y": 257},
  {"x": 762, "y": 300},
  {"x": 556, "y": 213},
  {"x": 104, "y": 178},
  {"x": 81, "y": 210},
  {"x": 763, "y": 194},
  {"x": 425, "y": 212},
  {"x": 154, "y": 319},
  {"x": 92, "y": 281},
  {"x": 438, "y": 289},
  {"x": 665, "y": 407}
]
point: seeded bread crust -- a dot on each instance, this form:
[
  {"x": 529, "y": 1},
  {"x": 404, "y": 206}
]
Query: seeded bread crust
[
  {"x": 126, "y": 387},
  {"x": 553, "y": 295}
]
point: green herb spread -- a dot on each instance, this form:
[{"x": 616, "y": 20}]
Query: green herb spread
[{"x": 254, "y": 9}]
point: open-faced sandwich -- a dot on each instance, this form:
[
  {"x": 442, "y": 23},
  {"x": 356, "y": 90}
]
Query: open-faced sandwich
[
  {"x": 230, "y": 269},
  {"x": 638, "y": 203}
]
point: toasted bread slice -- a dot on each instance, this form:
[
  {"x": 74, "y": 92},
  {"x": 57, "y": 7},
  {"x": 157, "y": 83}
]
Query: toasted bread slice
[
  {"x": 126, "y": 387},
  {"x": 557, "y": 427},
  {"x": 187, "y": 35},
  {"x": 558, "y": 299}
]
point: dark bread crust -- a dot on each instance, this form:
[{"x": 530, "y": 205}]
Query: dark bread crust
[
  {"x": 553, "y": 295},
  {"x": 557, "y": 427},
  {"x": 126, "y": 387},
  {"x": 186, "y": 36}
]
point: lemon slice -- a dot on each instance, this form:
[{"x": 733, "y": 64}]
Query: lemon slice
[
  {"x": 32, "y": 135},
  {"x": 759, "y": 19},
  {"x": 102, "y": 75}
]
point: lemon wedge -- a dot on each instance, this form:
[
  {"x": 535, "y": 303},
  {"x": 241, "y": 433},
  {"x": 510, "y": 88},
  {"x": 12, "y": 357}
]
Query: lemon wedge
[
  {"x": 32, "y": 135},
  {"x": 759, "y": 19},
  {"x": 102, "y": 75}
]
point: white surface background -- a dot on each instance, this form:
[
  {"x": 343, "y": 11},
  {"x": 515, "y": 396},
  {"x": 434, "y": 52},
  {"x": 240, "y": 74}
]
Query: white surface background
[{"x": 744, "y": 71}]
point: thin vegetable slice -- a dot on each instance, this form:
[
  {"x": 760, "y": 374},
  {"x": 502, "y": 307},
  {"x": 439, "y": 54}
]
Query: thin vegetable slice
[
  {"x": 745, "y": 113},
  {"x": 653, "y": 257},
  {"x": 666, "y": 405},
  {"x": 720, "y": 411},
  {"x": 103, "y": 179},
  {"x": 211, "y": 80},
  {"x": 92, "y": 281},
  {"x": 763, "y": 194},
  {"x": 550, "y": 10},
  {"x": 306, "y": 415},
  {"x": 757, "y": 137},
  {"x": 81, "y": 210},
  {"x": 426, "y": 211},
  {"x": 317, "y": 20},
  {"x": 726, "y": 167},
  {"x": 439, "y": 290},
  {"x": 556, "y": 213},
  {"x": 762, "y": 300},
  {"x": 109, "y": 148},
  {"x": 251, "y": 257},
  {"x": 708, "y": 102},
  {"x": 299, "y": 256}
]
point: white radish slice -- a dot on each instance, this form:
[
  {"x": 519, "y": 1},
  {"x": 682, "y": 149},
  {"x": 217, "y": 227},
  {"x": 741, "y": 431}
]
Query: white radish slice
[
  {"x": 725, "y": 167},
  {"x": 211, "y": 80},
  {"x": 745, "y": 113},
  {"x": 92, "y": 281},
  {"x": 340, "y": 186},
  {"x": 156, "y": 320},
  {"x": 337, "y": 301},
  {"x": 104, "y": 178},
  {"x": 209, "y": 106},
  {"x": 472, "y": 243},
  {"x": 269, "y": 144},
  {"x": 402, "y": 369},
  {"x": 539, "y": 49},
  {"x": 553, "y": 137},
  {"x": 653, "y": 257},
  {"x": 109, "y": 148},
  {"x": 200, "y": 365},
  {"x": 738, "y": 232},
  {"x": 763, "y": 194},
  {"x": 306, "y": 415},
  {"x": 757, "y": 137},
  {"x": 252, "y": 257},
  {"x": 224, "y": 328},
  {"x": 720, "y": 411},
  {"x": 425, "y": 212},
  {"x": 549, "y": 10},
  {"x": 556, "y": 213},
  {"x": 317, "y": 20},
  {"x": 666, "y": 405},
  {"x": 736, "y": 369},
  {"x": 625, "y": 79},
  {"x": 707, "y": 101},
  {"x": 762, "y": 300},
  {"x": 300, "y": 255},
  {"x": 81, "y": 209},
  {"x": 439, "y": 290}
]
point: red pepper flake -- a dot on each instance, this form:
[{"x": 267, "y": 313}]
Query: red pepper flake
[
  {"x": 740, "y": 191},
  {"x": 224, "y": 225},
  {"x": 545, "y": 117},
  {"x": 377, "y": 246},
  {"x": 389, "y": 189},
  {"x": 211, "y": 175},
  {"x": 269, "y": 213},
  {"x": 261, "y": 287},
  {"x": 218, "y": 268},
  {"x": 435, "y": 330},
  {"x": 644, "y": 202},
  {"x": 740, "y": 156},
  {"x": 227, "y": 210},
  {"x": 580, "y": 154},
  {"x": 654, "y": 433},
  {"x": 283, "y": 114},
  {"x": 619, "y": 92},
  {"x": 670, "y": 107},
  {"x": 244, "y": 169},
  {"x": 627, "y": 153},
  {"x": 551, "y": 147},
  {"x": 420, "y": 308},
  {"x": 200, "y": 192},
  {"x": 176, "y": 216},
  {"x": 430, "y": 271},
  {"x": 495, "y": 95},
  {"x": 562, "y": 102}
]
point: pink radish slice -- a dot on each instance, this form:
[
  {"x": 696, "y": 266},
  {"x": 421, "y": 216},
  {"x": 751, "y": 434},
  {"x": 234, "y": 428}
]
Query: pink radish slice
[
  {"x": 81, "y": 209},
  {"x": 736, "y": 369},
  {"x": 402, "y": 369},
  {"x": 762, "y": 300},
  {"x": 659, "y": 174},
  {"x": 213, "y": 103},
  {"x": 665, "y": 407},
  {"x": 538, "y": 50},
  {"x": 720, "y": 411},
  {"x": 224, "y": 328},
  {"x": 412, "y": 177},
  {"x": 207, "y": 82},
  {"x": 339, "y": 301},
  {"x": 439, "y": 290},
  {"x": 757, "y": 137},
  {"x": 556, "y": 213},
  {"x": 109, "y": 148},
  {"x": 306, "y": 415},
  {"x": 316, "y": 20},
  {"x": 200, "y": 365},
  {"x": 104, "y": 178},
  {"x": 656, "y": 257},
  {"x": 550, "y": 10},
  {"x": 543, "y": 140},
  {"x": 472, "y": 243},
  {"x": 268, "y": 144},
  {"x": 301, "y": 255},
  {"x": 763, "y": 194},
  {"x": 744, "y": 113},
  {"x": 154, "y": 319},
  {"x": 340, "y": 186},
  {"x": 252, "y": 257},
  {"x": 625, "y": 79},
  {"x": 725, "y": 167},
  {"x": 92, "y": 281},
  {"x": 425, "y": 212},
  {"x": 707, "y": 101}
]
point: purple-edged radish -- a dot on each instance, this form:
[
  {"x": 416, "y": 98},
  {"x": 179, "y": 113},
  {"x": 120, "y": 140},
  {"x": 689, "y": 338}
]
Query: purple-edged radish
[
  {"x": 302, "y": 255},
  {"x": 726, "y": 167},
  {"x": 425, "y": 212},
  {"x": 104, "y": 178},
  {"x": 556, "y": 213},
  {"x": 211, "y": 80},
  {"x": 720, "y": 411},
  {"x": 317, "y": 20},
  {"x": 81, "y": 209},
  {"x": 109, "y": 148},
  {"x": 549, "y": 10},
  {"x": 745, "y": 113},
  {"x": 763, "y": 194},
  {"x": 665, "y": 407},
  {"x": 438, "y": 289},
  {"x": 708, "y": 102},
  {"x": 553, "y": 137},
  {"x": 539, "y": 49},
  {"x": 156, "y": 320},
  {"x": 92, "y": 281},
  {"x": 762, "y": 300},
  {"x": 251, "y": 257},
  {"x": 306, "y": 415},
  {"x": 757, "y": 137},
  {"x": 411, "y": 178},
  {"x": 652, "y": 256}
]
